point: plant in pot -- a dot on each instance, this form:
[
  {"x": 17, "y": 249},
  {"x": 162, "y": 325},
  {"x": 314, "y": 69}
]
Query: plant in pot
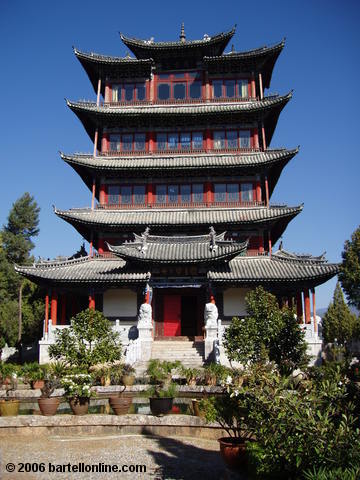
[
  {"x": 214, "y": 373},
  {"x": 162, "y": 390},
  {"x": 48, "y": 405},
  {"x": 78, "y": 392},
  {"x": 230, "y": 412},
  {"x": 10, "y": 405},
  {"x": 120, "y": 403},
  {"x": 192, "y": 375},
  {"x": 128, "y": 375},
  {"x": 34, "y": 374}
]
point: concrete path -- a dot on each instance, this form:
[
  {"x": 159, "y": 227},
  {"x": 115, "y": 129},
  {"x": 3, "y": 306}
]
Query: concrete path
[{"x": 164, "y": 458}]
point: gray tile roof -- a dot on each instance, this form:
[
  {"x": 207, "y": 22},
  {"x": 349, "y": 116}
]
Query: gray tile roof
[
  {"x": 179, "y": 249},
  {"x": 156, "y": 50},
  {"x": 241, "y": 270},
  {"x": 218, "y": 160},
  {"x": 177, "y": 216},
  {"x": 84, "y": 270},
  {"x": 273, "y": 270}
]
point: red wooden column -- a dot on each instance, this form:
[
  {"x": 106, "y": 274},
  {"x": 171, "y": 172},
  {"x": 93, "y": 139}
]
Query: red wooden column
[
  {"x": 307, "y": 306},
  {"x": 92, "y": 301},
  {"x": 102, "y": 194},
  {"x": 314, "y": 309},
  {"x": 258, "y": 191},
  {"x": 150, "y": 194},
  {"x": 253, "y": 90},
  {"x": 266, "y": 191},
  {"x": 101, "y": 245},
  {"x": 270, "y": 243},
  {"x": 207, "y": 140},
  {"x": 93, "y": 194},
  {"x": 261, "y": 87},
  {"x": 299, "y": 308},
  {"x": 46, "y": 312},
  {"x": 53, "y": 307},
  {"x": 152, "y": 142},
  {"x": 63, "y": 309},
  {"x": 208, "y": 193},
  {"x": 261, "y": 242}
]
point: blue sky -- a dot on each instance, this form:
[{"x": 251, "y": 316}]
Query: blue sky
[{"x": 320, "y": 62}]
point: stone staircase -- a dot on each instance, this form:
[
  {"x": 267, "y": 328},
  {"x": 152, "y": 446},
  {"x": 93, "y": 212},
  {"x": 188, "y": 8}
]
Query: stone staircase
[{"x": 189, "y": 353}]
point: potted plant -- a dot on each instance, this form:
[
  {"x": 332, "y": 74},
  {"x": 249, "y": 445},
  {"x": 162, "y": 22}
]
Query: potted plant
[
  {"x": 229, "y": 411},
  {"x": 78, "y": 392},
  {"x": 191, "y": 375},
  {"x": 215, "y": 373},
  {"x": 48, "y": 404},
  {"x": 162, "y": 391},
  {"x": 9, "y": 406},
  {"x": 128, "y": 375},
  {"x": 120, "y": 403},
  {"x": 34, "y": 374}
]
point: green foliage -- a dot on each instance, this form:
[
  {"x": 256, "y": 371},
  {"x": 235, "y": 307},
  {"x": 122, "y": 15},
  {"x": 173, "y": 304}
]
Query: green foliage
[
  {"x": 215, "y": 373},
  {"x": 268, "y": 332},
  {"x": 33, "y": 371},
  {"x": 339, "y": 324},
  {"x": 334, "y": 474},
  {"x": 8, "y": 370},
  {"x": 165, "y": 392},
  {"x": 88, "y": 341},
  {"x": 349, "y": 274},
  {"x": 192, "y": 375},
  {"x": 161, "y": 371},
  {"x": 313, "y": 426},
  {"x": 78, "y": 385}
]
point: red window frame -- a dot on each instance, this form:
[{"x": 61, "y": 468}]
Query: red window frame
[
  {"x": 240, "y": 199},
  {"x": 223, "y": 88},
  {"x": 119, "y": 186},
  {"x": 173, "y": 79},
  {"x": 238, "y": 130},
  {"x": 179, "y": 147},
  {"x": 108, "y": 140},
  {"x": 122, "y": 85}
]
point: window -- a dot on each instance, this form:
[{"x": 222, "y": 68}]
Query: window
[
  {"x": 113, "y": 195},
  {"x": 185, "y": 193},
  {"x": 128, "y": 92},
  {"x": 232, "y": 139},
  {"x": 126, "y": 194},
  {"x": 220, "y": 192},
  {"x": 179, "y": 141},
  {"x": 246, "y": 192},
  {"x": 160, "y": 193},
  {"x": 127, "y": 142},
  {"x": 198, "y": 192},
  {"x": 179, "y": 86},
  {"x": 219, "y": 139},
  {"x": 244, "y": 138},
  {"x": 230, "y": 88},
  {"x": 173, "y": 192}
]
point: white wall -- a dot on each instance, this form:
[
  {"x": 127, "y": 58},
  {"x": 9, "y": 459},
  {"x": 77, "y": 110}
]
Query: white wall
[
  {"x": 120, "y": 303},
  {"x": 234, "y": 301}
]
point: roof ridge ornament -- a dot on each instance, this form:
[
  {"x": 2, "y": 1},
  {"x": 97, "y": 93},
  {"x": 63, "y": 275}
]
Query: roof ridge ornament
[{"x": 182, "y": 33}]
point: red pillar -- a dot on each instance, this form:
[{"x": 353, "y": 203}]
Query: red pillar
[
  {"x": 101, "y": 245},
  {"x": 299, "y": 309},
  {"x": 314, "y": 309},
  {"x": 46, "y": 312},
  {"x": 208, "y": 193},
  {"x": 96, "y": 137},
  {"x": 207, "y": 140},
  {"x": 261, "y": 242},
  {"x": 258, "y": 191},
  {"x": 98, "y": 92},
  {"x": 92, "y": 301},
  {"x": 253, "y": 91},
  {"x": 63, "y": 309},
  {"x": 266, "y": 191},
  {"x": 152, "y": 142},
  {"x": 93, "y": 194},
  {"x": 102, "y": 195},
  {"x": 150, "y": 194},
  {"x": 307, "y": 306},
  {"x": 53, "y": 308},
  {"x": 261, "y": 87}
]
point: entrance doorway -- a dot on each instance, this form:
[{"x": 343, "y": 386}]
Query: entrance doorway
[{"x": 178, "y": 313}]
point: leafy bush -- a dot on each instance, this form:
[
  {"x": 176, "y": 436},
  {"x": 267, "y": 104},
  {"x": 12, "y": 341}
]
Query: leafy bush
[
  {"x": 78, "y": 385},
  {"x": 160, "y": 374},
  {"x": 335, "y": 474},
  {"x": 268, "y": 332},
  {"x": 33, "y": 371},
  {"x": 88, "y": 341},
  {"x": 166, "y": 392}
]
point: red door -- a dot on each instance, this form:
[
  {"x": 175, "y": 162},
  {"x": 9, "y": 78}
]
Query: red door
[{"x": 172, "y": 315}]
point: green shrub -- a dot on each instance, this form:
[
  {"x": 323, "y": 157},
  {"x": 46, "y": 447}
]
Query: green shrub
[{"x": 335, "y": 474}]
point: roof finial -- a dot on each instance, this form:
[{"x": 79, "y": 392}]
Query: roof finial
[{"x": 182, "y": 34}]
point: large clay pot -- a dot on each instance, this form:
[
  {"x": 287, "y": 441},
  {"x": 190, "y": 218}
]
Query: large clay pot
[
  {"x": 120, "y": 405},
  {"x": 161, "y": 406},
  {"x": 79, "y": 405},
  {"x": 9, "y": 408},
  {"x": 233, "y": 451},
  {"x": 128, "y": 380},
  {"x": 48, "y": 406},
  {"x": 197, "y": 410}
]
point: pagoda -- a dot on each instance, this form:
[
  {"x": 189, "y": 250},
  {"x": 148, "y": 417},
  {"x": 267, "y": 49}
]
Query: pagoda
[{"x": 180, "y": 224}]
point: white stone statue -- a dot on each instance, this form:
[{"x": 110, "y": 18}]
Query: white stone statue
[
  {"x": 211, "y": 315},
  {"x": 145, "y": 316}
]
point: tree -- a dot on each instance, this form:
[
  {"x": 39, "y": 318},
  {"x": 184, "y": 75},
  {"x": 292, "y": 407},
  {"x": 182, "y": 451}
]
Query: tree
[
  {"x": 339, "y": 324},
  {"x": 267, "y": 332},
  {"x": 88, "y": 341},
  {"x": 22, "y": 226},
  {"x": 349, "y": 274}
]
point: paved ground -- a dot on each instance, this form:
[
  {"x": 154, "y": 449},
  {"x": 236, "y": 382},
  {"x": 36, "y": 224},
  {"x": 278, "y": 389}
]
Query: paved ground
[{"x": 164, "y": 458}]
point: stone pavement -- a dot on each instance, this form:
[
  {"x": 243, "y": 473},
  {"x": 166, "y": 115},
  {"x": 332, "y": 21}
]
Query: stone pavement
[{"x": 164, "y": 458}]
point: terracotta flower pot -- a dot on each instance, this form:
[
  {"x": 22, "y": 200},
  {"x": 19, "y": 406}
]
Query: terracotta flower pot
[
  {"x": 161, "y": 406},
  {"x": 9, "y": 408},
  {"x": 120, "y": 405},
  {"x": 48, "y": 406},
  {"x": 128, "y": 380},
  {"x": 37, "y": 384},
  {"x": 233, "y": 451},
  {"x": 197, "y": 411},
  {"x": 79, "y": 405}
]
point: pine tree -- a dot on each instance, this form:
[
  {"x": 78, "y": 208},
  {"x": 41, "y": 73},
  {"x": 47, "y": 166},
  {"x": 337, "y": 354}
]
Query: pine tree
[
  {"x": 349, "y": 274},
  {"x": 16, "y": 245},
  {"x": 339, "y": 324}
]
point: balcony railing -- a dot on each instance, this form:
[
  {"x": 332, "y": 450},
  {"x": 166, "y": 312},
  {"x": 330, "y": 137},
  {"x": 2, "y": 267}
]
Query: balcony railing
[
  {"x": 116, "y": 153},
  {"x": 131, "y": 206},
  {"x": 178, "y": 101}
]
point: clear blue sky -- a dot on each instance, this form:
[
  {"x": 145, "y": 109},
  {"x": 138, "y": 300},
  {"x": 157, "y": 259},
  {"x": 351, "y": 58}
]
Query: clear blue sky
[{"x": 320, "y": 62}]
